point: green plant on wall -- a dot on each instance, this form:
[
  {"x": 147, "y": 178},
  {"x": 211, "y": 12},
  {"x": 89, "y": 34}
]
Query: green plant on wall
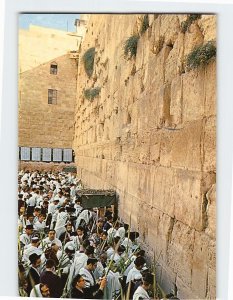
[
  {"x": 144, "y": 24},
  {"x": 190, "y": 19},
  {"x": 88, "y": 61},
  {"x": 201, "y": 55},
  {"x": 90, "y": 94},
  {"x": 130, "y": 46}
]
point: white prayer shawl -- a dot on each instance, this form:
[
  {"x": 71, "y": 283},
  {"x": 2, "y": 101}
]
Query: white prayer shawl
[
  {"x": 78, "y": 209},
  {"x": 80, "y": 261},
  {"x": 62, "y": 218},
  {"x": 121, "y": 233},
  {"x": 99, "y": 271},
  {"x": 25, "y": 177},
  {"x": 113, "y": 287},
  {"x": 38, "y": 226},
  {"x": 75, "y": 242},
  {"x": 116, "y": 257},
  {"x": 64, "y": 261},
  {"x": 140, "y": 293},
  {"x": 111, "y": 233},
  {"x": 51, "y": 208},
  {"x": 39, "y": 199},
  {"x": 35, "y": 292},
  {"x": 132, "y": 274},
  {"x": 25, "y": 239},
  {"x": 127, "y": 243},
  {"x": 110, "y": 252},
  {"x": 47, "y": 243},
  {"x": 85, "y": 215},
  {"x": 130, "y": 266},
  {"x": 32, "y": 200},
  {"x": 88, "y": 277},
  {"x": 30, "y": 250}
]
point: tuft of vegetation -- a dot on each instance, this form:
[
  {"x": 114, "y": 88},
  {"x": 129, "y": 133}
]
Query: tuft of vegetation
[
  {"x": 201, "y": 55},
  {"x": 144, "y": 24},
  {"x": 90, "y": 94},
  {"x": 130, "y": 46},
  {"x": 190, "y": 19},
  {"x": 88, "y": 60}
]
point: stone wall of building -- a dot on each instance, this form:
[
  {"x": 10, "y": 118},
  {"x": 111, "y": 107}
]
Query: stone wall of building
[
  {"x": 151, "y": 136},
  {"x": 47, "y": 125},
  {"x": 38, "y": 45}
]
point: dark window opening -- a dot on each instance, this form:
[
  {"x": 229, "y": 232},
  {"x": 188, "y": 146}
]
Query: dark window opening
[
  {"x": 53, "y": 69},
  {"x": 52, "y": 96}
]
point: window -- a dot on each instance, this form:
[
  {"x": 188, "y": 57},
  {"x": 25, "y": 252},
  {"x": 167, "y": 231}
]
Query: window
[
  {"x": 53, "y": 69},
  {"x": 52, "y": 96}
]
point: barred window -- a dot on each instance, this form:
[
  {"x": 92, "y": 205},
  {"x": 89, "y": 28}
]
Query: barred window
[
  {"x": 52, "y": 96},
  {"x": 53, "y": 69}
]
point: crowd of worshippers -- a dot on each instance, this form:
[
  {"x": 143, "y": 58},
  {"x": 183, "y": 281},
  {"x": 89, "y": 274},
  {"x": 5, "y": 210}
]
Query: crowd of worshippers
[{"x": 67, "y": 251}]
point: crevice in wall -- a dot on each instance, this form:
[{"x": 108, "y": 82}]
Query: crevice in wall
[
  {"x": 204, "y": 211},
  {"x": 169, "y": 233}
]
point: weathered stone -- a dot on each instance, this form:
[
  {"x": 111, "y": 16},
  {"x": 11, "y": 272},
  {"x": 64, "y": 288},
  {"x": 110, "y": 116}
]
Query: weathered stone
[
  {"x": 180, "y": 252},
  {"x": 176, "y": 101},
  {"x": 185, "y": 151},
  {"x": 154, "y": 142},
  {"x": 210, "y": 145},
  {"x": 199, "y": 267},
  {"x": 193, "y": 95},
  {"x": 193, "y": 38},
  {"x": 211, "y": 211},
  {"x": 207, "y": 26}
]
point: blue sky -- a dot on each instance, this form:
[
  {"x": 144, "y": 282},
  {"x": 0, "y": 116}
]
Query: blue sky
[{"x": 57, "y": 21}]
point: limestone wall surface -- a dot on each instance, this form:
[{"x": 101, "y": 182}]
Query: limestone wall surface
[
  {"x": 47, "y": 125},
  {"x": 151, "y": 136}
]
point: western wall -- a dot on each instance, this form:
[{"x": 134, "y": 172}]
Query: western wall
[{"x": 151, "y": 135}]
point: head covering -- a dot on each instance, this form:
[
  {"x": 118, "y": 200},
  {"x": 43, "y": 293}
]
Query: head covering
[{"x": 29, "y": 226}]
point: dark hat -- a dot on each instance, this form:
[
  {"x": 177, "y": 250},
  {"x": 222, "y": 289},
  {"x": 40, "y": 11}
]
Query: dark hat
[
  {"x": 29, "y": 226},
  {"x": 33, "y": 257}
]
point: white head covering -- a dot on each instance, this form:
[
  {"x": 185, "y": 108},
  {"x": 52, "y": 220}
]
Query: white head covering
[{"x": 35, "y": 292}]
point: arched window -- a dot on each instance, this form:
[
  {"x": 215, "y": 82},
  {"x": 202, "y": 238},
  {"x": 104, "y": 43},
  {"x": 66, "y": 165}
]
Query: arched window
[{"x": 53, "y": 68}]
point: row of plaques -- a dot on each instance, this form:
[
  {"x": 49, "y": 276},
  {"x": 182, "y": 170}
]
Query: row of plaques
[{"x": 45, "y": 154}]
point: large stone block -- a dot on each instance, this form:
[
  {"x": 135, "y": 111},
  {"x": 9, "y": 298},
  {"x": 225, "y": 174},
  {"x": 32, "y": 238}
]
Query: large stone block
[
  {"x": 193, "y": 95},
  {"x": 180, "y": 251},
  {"x": 163, "y": 190},
  {"x": 186, "y": 151},
  {"x": 187, "y": 196},
  {"x": 200, "y": 264},
  {"x": 211, "y": 211},
  {"x": 210, "y": 145}
]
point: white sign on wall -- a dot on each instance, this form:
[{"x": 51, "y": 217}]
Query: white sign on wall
[
  {"x": 57, "y": 154},
  {"x": 36, "y": 154},
  {"x": 67, "y": 155},
  {"x": 46, "y": 154},
  {"x": 25, "y": 153}
]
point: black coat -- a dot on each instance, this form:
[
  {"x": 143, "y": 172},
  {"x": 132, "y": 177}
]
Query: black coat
[
  {"x": 54, "y": 283},
  {"x": 88, "y": 293},
  {"x": 33, "y": 278}
]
